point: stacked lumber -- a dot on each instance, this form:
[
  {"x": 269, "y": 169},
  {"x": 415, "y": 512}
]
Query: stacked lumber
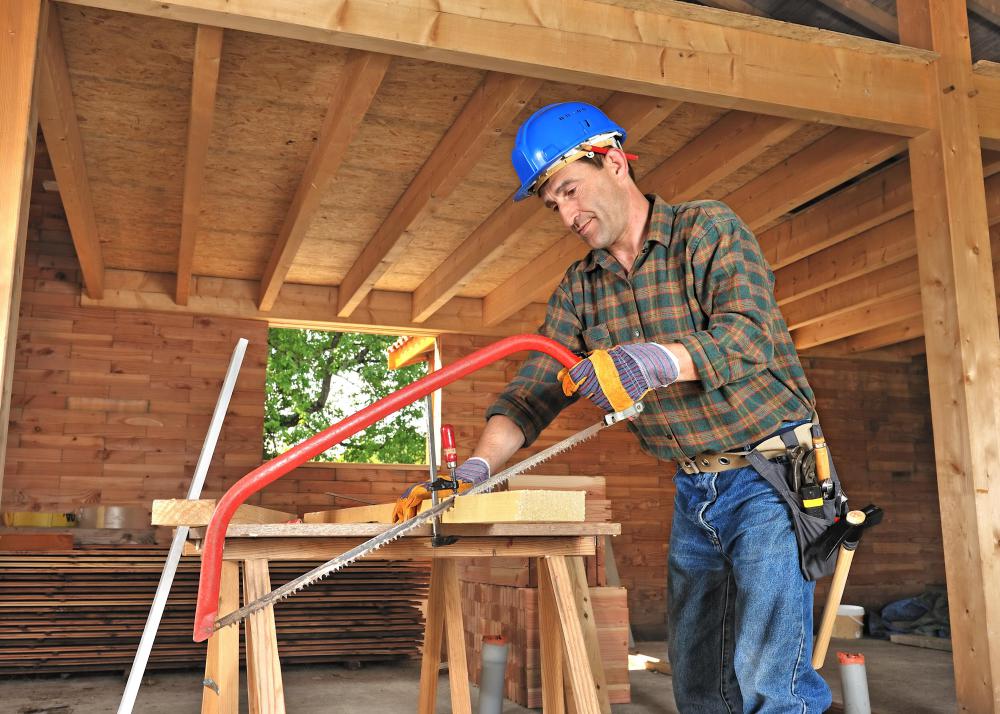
[
  {"x": 513, "y": 612},
  {"x": 84, "y": 610}
]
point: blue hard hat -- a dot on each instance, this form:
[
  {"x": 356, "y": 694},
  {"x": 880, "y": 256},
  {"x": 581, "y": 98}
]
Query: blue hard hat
[{"x": 551, "y": 133}]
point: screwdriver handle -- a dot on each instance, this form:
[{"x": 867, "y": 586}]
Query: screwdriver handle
[
  {"x": 449, "y": 453},
  {"x": 822, "y": 454}
]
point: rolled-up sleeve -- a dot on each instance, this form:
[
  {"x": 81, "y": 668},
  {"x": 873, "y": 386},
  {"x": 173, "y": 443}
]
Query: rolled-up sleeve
[
  {"x": 534, "y": 397},
  {"x": 736, "y": 292}
]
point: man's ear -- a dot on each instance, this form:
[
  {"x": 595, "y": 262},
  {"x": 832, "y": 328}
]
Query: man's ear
[{"x": 617, "y": 163}]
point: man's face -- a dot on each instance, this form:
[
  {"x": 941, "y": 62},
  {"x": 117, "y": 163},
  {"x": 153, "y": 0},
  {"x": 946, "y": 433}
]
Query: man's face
[{"x": 589, "y": 201}]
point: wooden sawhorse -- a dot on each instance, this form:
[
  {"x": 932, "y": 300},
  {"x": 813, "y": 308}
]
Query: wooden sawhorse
[{"x": 570, "y": 658}]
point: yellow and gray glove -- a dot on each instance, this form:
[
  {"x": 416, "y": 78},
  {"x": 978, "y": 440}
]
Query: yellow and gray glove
[
  {"x": 470, "y": 473},
  {"x": 616, "y": 379}
]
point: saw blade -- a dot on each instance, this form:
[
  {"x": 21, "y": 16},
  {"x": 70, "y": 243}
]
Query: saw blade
[{"x": 369, "y": 546}]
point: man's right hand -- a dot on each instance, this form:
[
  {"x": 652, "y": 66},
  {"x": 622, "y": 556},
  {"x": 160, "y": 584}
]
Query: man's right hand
[
  {"x": 469, "y": 473},
  {"x": 617, "y": 378}
]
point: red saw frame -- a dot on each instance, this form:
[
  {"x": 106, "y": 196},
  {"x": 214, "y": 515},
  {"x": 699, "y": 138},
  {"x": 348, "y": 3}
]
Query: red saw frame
[{"x": 211, "y": 557}]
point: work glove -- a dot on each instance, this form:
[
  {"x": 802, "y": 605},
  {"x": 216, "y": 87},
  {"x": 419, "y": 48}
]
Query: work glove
[
  {"x": 616, "y": 379},
  {"x": 468, "y": 474}
]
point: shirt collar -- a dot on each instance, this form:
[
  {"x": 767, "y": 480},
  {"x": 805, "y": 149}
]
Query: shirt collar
[{"x": 661, "y": 216}]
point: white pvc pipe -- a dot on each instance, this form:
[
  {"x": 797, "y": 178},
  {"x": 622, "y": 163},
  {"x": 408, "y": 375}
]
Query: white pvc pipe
[{"x": 180, "y": 535}]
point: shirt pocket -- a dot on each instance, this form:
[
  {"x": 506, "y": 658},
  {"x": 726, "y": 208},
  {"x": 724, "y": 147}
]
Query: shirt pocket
[{"x": 597, "y": 337}]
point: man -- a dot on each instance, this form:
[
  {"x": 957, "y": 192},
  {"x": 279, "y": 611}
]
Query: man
[{"x": 678, "y": 300}]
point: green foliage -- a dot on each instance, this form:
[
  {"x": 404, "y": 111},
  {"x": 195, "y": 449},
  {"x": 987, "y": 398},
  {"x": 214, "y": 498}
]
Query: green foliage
[{"x": 315, "y": 379}]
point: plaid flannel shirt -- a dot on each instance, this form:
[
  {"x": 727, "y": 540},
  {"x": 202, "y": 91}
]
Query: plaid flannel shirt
[{"x": 702, "y": 281}]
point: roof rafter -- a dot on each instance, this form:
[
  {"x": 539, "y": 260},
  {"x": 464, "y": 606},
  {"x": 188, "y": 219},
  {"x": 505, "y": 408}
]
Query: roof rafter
[
  {"x": 57, "y": 116},
  {"x": 877, "y": 299},
  {"x": 680, "y": 51},
  {"x": 639, "y": 115},
  {"x": 864, "y": 253},
  {"x": 493, "y": 105},
  {"x": 825, "y": 164},
  {"x": 989, "y": 10},
  {"x": 359, "y": 82},
  {"x": 857, "y": 320},
  {"x": 902, "y": 331},
  {"x": 986, "y": 76},
  {"x": 303, "y": 306},
  {"x": 204, "y": 82},
  {"x": 869, "y": 16}
]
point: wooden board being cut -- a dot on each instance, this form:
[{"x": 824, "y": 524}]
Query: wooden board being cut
[
  {"x": 182, "y": 512},
  {"x": 501, "y": 507}
]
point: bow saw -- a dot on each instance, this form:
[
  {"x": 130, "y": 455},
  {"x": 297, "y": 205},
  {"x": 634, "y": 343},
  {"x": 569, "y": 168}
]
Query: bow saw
[{"x": 206, "y": 612}]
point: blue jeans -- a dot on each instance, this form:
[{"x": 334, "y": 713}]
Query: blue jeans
[{"x": 740, "y": 612}]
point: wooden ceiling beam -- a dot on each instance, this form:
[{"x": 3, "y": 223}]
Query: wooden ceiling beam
[
  {"x": 885, "y": 244},
  {"x": 871, "y": 201},
  {"x": 986, "y": 76},
  {"x": 637, "y": 114},
  {"x": 204, "y": 82},
  {"x": 859, "y": 255},
  {"x": 825, "y": 164},
  {"x": 679, "y": 51},
  {"x": 989, "y": 10},
  {"x": 853, "y": 322},
  {"x": 726, "y": 146},
  {"x": 719, "y": 151},
  {"x": 869, "y": 16},
  {"x": 889, "y": 281},
  {"x": 494, "y": 105},
  {"x": 360, "y": 79},
  {"x": 905, "y": 330},
  {"x": 735, "y": 6},
  {"x": 303, "y": 306},
  {"x": 57, "y": 116}
]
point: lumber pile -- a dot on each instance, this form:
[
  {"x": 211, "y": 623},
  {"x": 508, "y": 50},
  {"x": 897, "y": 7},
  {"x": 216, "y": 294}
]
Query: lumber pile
[
  {"x": 499, "y": 597},
  {"x": 84, "y": 609}
]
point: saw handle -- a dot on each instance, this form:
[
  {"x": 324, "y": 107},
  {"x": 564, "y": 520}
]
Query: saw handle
[{"x": 215, "y": 535}]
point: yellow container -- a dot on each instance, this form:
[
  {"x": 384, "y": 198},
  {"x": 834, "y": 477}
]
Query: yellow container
[{"x": 38, "y": 519}]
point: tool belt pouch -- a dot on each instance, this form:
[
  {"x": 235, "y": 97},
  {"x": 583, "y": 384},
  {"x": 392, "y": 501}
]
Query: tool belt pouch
[{"x": 808, "y": 528}]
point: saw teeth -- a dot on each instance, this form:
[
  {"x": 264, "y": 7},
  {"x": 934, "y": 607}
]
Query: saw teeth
[{"x": 287, "y": 590}]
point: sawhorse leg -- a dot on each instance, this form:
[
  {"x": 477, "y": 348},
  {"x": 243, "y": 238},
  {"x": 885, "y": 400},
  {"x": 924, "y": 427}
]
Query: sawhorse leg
[
  {"x": 221, "y": 694},
  {"x": 568, "y": 637},
  {"x": 266, "y": 693},
  {"x": 444, "y": 619}
]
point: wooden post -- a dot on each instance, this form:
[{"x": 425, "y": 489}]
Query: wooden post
[
  {"x": 963, "y": 347},
  {"x": 444, "y": 619},
  {"x": 580, "y": 675},
  {"x": 264, "y": 687},
  {"x": 550, "y": 644},
  {"x": 22, "y": 25},
  {"x": 458, "y": 666},
  {"x": 581, "y": 593},
  {"x": 433, "y": 632},
  {"x": 222, "y": 663}
]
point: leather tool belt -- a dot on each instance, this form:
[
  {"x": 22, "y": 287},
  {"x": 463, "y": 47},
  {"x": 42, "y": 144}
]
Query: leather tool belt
[{"x": 770, "y": 448}]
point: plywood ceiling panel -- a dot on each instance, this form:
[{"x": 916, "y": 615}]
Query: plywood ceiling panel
[{"x": 416, "y": 103}]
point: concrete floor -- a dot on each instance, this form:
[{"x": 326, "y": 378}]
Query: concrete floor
[{"x": 901, "y": 680}]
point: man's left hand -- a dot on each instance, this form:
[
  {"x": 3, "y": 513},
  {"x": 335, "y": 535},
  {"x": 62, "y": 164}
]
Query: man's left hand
[
  {"x": 468, "y": 474},
  {"x": 617, "y": 378}
]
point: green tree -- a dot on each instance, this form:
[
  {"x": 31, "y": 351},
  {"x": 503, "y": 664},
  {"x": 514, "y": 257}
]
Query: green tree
[{"x": 315, "y": 379}]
